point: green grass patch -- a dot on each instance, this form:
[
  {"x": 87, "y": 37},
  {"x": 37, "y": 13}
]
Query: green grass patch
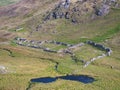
[
  {"x": 7, "y": 2},
  {"x": 13, "y": 43},
  {"x": 110, "y": 33}
]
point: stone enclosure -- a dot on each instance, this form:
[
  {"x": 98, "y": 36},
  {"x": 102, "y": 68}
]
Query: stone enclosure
[{"x": 68, "y": 50}]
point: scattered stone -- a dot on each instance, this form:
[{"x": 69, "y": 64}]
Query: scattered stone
[
  {"x": 3, "y": 69},
  {"x": 19, "y": 29}
]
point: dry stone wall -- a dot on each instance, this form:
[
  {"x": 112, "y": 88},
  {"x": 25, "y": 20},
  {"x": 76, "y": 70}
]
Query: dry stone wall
[
  {"x": 67, "y": 50},
  {"x": 101, "y": 47}
]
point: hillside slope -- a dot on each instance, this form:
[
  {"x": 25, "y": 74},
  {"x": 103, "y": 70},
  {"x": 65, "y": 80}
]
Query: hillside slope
[
  {"x": 20, "y": 12},
  {"x": 42, "y": 50}
]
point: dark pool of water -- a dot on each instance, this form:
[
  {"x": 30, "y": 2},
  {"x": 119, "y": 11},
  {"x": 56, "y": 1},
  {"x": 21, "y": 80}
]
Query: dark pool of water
[
  {"x": 44, "y": 80},
  {"x": 79, "y": 78}
]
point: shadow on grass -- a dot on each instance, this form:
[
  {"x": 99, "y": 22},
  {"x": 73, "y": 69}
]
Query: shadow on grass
[{"x": 79, "y": 78}]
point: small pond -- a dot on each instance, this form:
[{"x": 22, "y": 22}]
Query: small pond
[{"x": 79, "y": 78}]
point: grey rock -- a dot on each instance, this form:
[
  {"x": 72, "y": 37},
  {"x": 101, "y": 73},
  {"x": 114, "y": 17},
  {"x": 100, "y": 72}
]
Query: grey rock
[
  {"x": 104, "y": 9},
  {"x": 48, "y": 50},
  {"x": 3, "y": 69}
]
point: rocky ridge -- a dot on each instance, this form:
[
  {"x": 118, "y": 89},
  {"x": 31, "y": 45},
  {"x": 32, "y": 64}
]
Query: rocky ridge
[{"x": 81, "y": 10}]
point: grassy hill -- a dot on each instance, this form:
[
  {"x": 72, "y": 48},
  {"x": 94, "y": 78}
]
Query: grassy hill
[{"x": 24, "y": 64}]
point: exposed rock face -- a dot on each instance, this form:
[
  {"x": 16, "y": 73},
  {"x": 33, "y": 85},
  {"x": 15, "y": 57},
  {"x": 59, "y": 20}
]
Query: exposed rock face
[
  {"x": 81, "y": 9},
  {"x": 104, "y": 9},
  {"x": 60, "y": 10}
]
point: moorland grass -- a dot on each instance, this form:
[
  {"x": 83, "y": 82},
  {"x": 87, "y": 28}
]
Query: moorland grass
[{"x": 29, "y": 63}]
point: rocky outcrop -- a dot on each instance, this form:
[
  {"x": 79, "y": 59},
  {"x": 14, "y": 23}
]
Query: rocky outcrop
[
  {"x": 60, "y": 11},
  {"x": 103, "y": 10},
  {"x": 81, "y": 9},
  {"x": 105, "y": 7}
]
